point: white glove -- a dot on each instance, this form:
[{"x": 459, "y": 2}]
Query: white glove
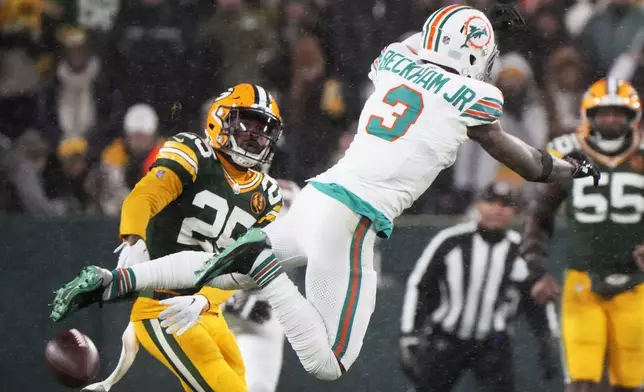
[
  {"x": 183, "y": 313},
  {"x": 132, "y": 254}
]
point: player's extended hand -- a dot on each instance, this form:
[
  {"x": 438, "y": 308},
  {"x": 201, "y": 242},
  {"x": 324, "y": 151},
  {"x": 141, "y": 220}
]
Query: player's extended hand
[
  {"x": 248, "y": 306},
  {"x": 132, "y": 254},
  {"x": 409, "y": 352},
  {"x": 583, "y": 166},
  {"x": 545, "y": 289},
  {"x": 638, "y": 254},
  {"x": 549, "y": 358},
  {"x": 183, "y": 313}
]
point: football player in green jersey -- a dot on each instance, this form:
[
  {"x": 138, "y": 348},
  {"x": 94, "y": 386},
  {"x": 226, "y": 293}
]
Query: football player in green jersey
[
  {"x": 603, "y": 294},
  {"x": 200, "y": 195}
]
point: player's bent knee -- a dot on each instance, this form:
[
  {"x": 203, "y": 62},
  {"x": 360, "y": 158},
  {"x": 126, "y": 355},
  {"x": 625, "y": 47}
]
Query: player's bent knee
[{"x": 323, "y": 368}]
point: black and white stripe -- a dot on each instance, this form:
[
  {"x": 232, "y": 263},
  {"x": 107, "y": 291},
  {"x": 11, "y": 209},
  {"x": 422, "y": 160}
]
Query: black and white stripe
[
  {"x": 262, "y": 98},
  {"x": 464, "y": 284},
  {"x": 611, "y": 86}
]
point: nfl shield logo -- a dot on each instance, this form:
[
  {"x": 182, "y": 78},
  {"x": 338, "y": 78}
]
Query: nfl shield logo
[
  {"x": 160, "y": 173},
  {"x": 446, "y": 40}
]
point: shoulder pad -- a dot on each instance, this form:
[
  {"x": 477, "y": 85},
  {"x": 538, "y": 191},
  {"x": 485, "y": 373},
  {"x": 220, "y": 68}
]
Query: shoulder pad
[
  {"x": 487, "y": 106},
  {"x": 184, "y": 153}
]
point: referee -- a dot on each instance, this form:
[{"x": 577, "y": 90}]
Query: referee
[{"x": 465, "y": 289}]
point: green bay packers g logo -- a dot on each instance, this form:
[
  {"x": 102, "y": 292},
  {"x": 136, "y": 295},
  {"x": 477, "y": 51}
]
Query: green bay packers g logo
[
  {"x": 477, "y": 33},
  {"x": 257, "y": 203}
]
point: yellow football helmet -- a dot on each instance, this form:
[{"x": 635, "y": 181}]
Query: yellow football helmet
[
  {"x": 614, "y": 93},
  {"x": 244, "y": 122}
]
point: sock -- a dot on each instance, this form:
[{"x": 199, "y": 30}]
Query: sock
[
  {"x": 175, "y": 271},
  {"x": 122, "y": 281},
  {"x": 265, "y": 269},
  {"x": 303, "y": 326}
]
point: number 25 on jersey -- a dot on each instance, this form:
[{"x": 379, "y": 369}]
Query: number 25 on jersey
[{"x": 402, "y": 108}]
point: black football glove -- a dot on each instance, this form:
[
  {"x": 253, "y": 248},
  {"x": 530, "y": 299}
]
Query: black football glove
[
  {"x": 248, "y": 307},
  {"x": 584, "y": 166},
  {"x": 504, "y": 15},
  {"x": 549, "y": 361},
  {"x": 410, "y": 347}
]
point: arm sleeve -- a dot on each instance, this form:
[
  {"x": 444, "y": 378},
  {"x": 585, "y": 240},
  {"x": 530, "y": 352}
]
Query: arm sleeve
[
  {"x": 423, "y": 285},
  {"x": 541, "y": 318},
  {"x": 486, "y": 109},
  {"x": 150, "y": 195}
]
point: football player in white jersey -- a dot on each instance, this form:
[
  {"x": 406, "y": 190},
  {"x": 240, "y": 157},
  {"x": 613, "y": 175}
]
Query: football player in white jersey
[
  {"x": 257, "y": 331},
  {"x": 431, "y": 94}
]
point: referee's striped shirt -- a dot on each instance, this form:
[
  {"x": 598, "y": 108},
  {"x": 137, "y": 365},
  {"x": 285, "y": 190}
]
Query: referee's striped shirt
[{"x": 469, "y": 284}]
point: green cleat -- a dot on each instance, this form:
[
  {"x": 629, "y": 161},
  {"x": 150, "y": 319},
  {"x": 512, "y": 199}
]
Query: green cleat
[
  {"x": 84, "y": 290},
  {"x": 238, "y": 257}
]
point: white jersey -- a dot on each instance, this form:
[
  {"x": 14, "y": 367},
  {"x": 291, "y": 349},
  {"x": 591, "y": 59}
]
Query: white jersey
[{"x": 410, "y": 129}]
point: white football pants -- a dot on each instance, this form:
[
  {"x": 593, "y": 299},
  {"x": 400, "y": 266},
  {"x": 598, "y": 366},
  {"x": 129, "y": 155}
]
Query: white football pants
[{"x": 338, "y": 246}]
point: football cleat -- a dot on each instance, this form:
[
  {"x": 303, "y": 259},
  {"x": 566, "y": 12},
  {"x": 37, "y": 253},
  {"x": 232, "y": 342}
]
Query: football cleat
[
  {"x": 239, "y": 257},
  {"x": 85, "y": 289}
]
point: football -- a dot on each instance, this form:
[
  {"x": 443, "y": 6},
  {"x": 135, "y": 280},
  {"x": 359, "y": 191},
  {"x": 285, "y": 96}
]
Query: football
[{"x": 72, "y": 358}]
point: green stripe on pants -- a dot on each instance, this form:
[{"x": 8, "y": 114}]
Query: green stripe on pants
[{"x": 175, "y": 356}]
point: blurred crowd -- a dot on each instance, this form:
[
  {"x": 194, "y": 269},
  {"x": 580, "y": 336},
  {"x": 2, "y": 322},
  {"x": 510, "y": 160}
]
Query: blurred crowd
[{"x": 89, "y": 89}]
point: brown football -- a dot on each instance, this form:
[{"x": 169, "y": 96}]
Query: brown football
[{"x": 72, "y": 358}]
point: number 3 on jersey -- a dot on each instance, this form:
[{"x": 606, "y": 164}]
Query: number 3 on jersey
[{"x": 406, "y": 104}]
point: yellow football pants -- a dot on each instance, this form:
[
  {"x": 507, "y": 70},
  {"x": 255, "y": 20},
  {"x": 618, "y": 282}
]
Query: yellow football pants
[
  {"x": 205, "y": 358},
  {"x": 592, "y": 325}
]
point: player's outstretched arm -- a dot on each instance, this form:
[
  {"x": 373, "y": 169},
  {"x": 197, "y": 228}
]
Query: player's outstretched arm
[
  {"x": 540, "y": 223},
  {"x": 530, "y": 163}
]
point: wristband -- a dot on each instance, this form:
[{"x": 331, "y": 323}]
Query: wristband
[{"x": 546, "y": 163}]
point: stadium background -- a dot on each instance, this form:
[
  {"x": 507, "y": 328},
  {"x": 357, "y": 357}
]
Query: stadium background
[
  {"x": 27, "y": 328},
  {"x": 66, "y": 161}
]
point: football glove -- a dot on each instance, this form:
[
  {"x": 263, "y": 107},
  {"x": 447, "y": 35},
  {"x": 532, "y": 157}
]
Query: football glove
[
  {"x": 409, "y": 354},
  {"x": 549, "y": 358},
  {"x": 130, "y": 255},
  {"x": 248, "y": 307},
  {"x": 504, "y": 16},
  {"x": 183, "y": 313},
  {"x": 584, "y": 166}
]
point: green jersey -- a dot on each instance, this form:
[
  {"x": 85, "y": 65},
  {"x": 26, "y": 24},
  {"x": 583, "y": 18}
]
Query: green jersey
[
  {"x": 605, "y": 222},
  {"x": 213, "y": 209}
]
